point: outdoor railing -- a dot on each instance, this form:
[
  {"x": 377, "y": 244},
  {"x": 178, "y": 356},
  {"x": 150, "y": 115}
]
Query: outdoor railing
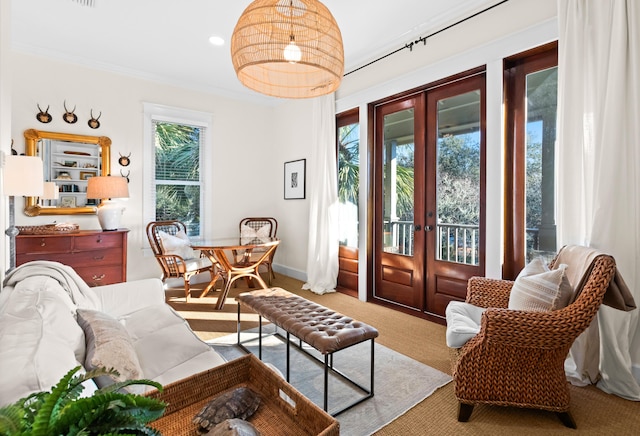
[{"x": 455, "y": 242}]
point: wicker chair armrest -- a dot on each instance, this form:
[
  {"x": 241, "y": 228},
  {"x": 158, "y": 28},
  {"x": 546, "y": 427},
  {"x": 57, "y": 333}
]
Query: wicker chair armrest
[
  {"x": 171, "y": 258},
  {"x": 487, "y": 292},
  {"x": 518, "y": 328}
]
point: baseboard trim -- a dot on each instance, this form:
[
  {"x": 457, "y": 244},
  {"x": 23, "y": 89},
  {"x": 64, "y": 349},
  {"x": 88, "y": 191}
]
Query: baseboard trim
[{"x": 290, "y": 272}]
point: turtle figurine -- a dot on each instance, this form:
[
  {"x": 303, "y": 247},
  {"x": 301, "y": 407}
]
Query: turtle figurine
[
  {"x": 234, "y": 427},
  {"x": 240, "y": 403}
]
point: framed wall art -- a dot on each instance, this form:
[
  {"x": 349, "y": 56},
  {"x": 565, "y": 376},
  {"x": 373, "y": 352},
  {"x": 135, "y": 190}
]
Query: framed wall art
[
  {"x": 85, "y": 175},
  {"x": 67, "y": 201},
  {"x": 294, "y": 179}
]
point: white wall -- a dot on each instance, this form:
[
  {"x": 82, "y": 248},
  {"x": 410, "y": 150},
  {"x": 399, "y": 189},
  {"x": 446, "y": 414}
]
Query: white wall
[{"x": 247, "y": 175}]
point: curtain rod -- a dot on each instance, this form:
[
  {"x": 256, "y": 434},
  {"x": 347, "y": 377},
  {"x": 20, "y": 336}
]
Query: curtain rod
[{"x": 423, "y": 39}]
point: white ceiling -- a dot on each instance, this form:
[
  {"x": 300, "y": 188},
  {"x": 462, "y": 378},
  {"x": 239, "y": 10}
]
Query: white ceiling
[{"x": 167, "y": 40}]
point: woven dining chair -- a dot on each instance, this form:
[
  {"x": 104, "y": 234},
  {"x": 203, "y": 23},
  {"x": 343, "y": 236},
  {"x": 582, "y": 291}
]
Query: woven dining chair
[
  {"x": 176, "y": 266},
  {"x": 269, "y": 227},
  {"x": 517, "y": 358}
]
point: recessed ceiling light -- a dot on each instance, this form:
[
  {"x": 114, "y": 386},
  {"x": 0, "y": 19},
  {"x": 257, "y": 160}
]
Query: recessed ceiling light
[{"x": 216, "y": 40}]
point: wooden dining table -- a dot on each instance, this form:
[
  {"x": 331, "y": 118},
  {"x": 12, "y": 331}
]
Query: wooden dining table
[{"x": 234, "y": 256}]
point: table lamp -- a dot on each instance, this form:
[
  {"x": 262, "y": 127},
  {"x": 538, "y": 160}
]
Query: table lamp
[
  {"x": 106, "y": 188},
  {"x": 21, "y": 175},
  {"x": 50, "y": 192}
]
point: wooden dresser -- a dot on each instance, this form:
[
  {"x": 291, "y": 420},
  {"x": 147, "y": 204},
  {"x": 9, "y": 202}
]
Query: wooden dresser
[{"x": 100, "y": 258}]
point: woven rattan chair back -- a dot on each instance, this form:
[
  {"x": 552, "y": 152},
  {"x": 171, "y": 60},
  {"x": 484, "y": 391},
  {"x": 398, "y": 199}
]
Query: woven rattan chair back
[
  {"x": 257, "y": 223},
  {"x": 517, "y": 358}
]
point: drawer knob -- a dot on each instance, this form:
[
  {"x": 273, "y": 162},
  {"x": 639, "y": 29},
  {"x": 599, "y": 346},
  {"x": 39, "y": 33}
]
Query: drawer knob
[
  {"x": 98, "y": 257},
  {"x": 98, "y": 278},
  {"x": 42, "y": 242}
]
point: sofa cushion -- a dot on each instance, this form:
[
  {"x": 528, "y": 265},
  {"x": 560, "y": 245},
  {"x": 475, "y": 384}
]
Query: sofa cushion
[
  {"x": 37, "y": 321},
  {"x": 108, "y": 346},
  {"x": 178, "y": 245},
  {"x": 539, "y": 289},
  {"x": 166, "y": 346},
  {"x": 463, "y": 322}
]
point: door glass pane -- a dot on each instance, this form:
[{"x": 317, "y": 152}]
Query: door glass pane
[
  {"x": 348, "y": 183},
  {"x": 397, "y": 173},
  {"x": 458, "y": 179},
  {"x": 542, "y": 91}
]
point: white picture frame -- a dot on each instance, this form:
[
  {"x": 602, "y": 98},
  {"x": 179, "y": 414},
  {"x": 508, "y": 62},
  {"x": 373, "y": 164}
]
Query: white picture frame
[{"x": 295, "y": 179}]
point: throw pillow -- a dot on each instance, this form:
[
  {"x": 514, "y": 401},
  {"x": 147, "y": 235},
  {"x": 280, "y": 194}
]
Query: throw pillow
[
  {"x": 539, "y": 289},
  {"x": 178, "y": 245},
  {"x": 250, "y": 232},
  {"x": 463, "y": 322},
  {"x": 108, "y": 345}
]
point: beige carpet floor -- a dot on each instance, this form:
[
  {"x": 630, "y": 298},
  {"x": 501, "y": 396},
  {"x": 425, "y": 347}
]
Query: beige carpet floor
[{"x": 595, "y": 412}]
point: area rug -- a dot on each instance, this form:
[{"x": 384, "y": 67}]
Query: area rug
[{"x": 400, "y": 382}]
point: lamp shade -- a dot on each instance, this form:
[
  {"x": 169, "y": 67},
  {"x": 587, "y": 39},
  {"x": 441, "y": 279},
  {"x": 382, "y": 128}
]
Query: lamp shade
[
  {"x": 107, "y": 187},
  {"x": 50, "y": 191},
  {"x": 23, "y": 175},
  {"x": 288, "y": 48}
]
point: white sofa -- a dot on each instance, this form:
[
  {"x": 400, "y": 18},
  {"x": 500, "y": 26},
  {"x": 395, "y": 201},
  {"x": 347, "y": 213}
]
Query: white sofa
[{"x": 41, "y": 338}]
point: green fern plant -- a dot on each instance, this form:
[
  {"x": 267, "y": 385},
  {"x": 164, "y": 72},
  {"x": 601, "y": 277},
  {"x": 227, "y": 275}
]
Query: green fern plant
[{"x": 63, "y": 412}]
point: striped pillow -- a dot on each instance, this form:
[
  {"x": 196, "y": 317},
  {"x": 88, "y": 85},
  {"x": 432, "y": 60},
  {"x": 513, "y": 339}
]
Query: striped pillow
[{"x": 539, "y": 289}]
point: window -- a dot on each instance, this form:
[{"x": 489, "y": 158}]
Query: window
[
  {"x": 531, "y": 82},
  {"x": 348, "y": 149},
  {"x": 348, "y": 158},
  {"x": 176, "y": 148}
]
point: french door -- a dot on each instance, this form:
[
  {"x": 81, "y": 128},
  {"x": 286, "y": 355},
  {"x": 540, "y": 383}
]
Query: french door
[{"x": 428, "y": 232}]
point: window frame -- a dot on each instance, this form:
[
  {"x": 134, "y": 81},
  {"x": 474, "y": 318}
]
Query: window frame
[
  {"x": 153, "y": 113},
  {"x": 515, "y": 69},
  {"x": 347, "y": 255}
]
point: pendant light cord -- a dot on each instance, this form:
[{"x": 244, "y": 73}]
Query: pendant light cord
[{"x": 423, "y": 39}]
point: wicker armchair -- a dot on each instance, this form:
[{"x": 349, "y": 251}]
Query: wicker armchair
[
  {"x": 517, "y": 358},
  {"x": 257, "y": 223},
  {"x": 174, "y": 266}
]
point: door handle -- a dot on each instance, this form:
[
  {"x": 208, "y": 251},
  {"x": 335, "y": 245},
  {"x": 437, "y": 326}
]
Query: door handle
[
  {"x": 418, "y": 228},
  {"x": 428, "y": 228}
]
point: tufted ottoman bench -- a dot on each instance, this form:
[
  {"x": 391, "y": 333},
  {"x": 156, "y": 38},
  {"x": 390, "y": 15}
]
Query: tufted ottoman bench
[{"x": 319, "y": 327}]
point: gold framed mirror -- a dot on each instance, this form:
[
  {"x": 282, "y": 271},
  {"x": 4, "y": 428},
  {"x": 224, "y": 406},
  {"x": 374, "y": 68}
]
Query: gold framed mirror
[{"x": 69, "y": 161}]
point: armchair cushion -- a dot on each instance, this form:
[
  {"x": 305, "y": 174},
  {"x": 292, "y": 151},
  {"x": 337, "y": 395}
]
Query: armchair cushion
[
  {"x": 178, "y": 245},
  {"x": 539, "y": 289},
  {"x": 463, "y": 322}
]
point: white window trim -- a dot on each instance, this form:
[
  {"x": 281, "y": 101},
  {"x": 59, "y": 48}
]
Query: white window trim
[{"x": 156, "y": 112}]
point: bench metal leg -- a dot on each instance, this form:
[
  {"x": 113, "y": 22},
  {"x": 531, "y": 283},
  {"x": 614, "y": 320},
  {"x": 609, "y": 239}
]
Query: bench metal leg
[{"x": 288, "y": 355}]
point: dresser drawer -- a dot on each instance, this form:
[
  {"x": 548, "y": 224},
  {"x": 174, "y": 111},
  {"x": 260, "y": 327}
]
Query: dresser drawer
[
  {"x": 109, "y": 256},
  {"x": 96, "y": 241},
  {"x": 63, "y": 258},
  {"x": 40, "y": 244},
  {"x": 100, "y": 275}
]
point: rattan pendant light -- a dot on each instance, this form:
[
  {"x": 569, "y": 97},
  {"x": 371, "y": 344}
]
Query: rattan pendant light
[{"x": 288, "y": 48}]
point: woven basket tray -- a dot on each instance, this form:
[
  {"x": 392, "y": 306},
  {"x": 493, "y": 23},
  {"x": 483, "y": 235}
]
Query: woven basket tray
[
  {"x": 47, "y": 229},
  {"x": 275, "y": 416}
]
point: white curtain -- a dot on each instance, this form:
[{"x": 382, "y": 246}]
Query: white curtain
[
  {"x": 322, "y": 259},
  {"x": 599, "y": 172}
]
